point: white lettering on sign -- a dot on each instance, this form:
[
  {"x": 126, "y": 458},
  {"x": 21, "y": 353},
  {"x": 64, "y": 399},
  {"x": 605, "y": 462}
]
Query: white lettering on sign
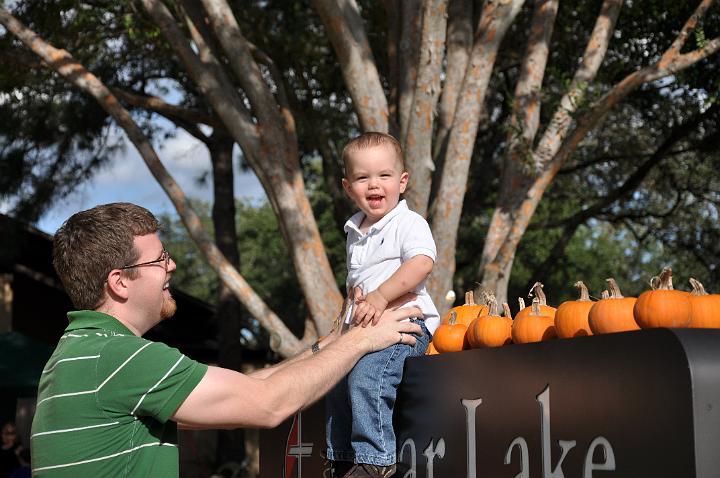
[
  {"x": 470, "y": 406},
  {"x": 543, "y": 399},
  {"x": 430, "y": 453},
  {"x": 522, "y": 445},
  {"x": 608, "y": 465},
  {"x": 411, "y": 473}
]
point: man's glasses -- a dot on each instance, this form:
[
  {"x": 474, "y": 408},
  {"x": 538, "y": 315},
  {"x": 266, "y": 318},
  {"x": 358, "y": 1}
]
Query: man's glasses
[{"x": 164, "y": 257}]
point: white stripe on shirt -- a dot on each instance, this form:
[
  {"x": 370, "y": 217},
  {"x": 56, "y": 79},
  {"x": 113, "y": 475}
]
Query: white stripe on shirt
[
  {"x": 69, "y": 360},
  {"x": 102, "y": 457},
  {"x": 74, "y": 429},
  {"x": 102, "y": 384},
  {"x": 158, "y": 383}
]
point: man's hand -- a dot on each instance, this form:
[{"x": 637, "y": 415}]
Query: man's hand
[{"x": 392, "y": 327}]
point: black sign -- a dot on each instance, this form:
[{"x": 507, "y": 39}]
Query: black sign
[{"x": 636, "y": 404}]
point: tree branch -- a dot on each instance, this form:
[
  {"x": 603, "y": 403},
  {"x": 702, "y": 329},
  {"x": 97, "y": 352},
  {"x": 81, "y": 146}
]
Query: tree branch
[
  {"x": 459, "y": 44},
  {"x": 418, "y": 143},
  {"x": 346, "y": 31},
  {"x": 74, "y": 72},
  {"x": 247, "y": 72},
  {"x": 211, "y": 81},
  {"x": 171, "y": 112}
]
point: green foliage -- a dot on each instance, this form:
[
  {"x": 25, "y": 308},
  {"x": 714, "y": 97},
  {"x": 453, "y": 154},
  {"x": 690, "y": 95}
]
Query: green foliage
[
  {"x": 52, "y": 138},
  {"x": 264, "y": 259}
]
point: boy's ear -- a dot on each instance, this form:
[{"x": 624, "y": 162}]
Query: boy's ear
[
  {"x": 404, "y": 177},
  {"x": 346, "y": 185}
]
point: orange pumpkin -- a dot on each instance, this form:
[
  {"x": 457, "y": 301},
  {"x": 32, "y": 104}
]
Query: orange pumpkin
[
  {"x": 490, "y": 330},
  {"x": 534, "y": 327},
  {"x": 450, "y": 337},
  {"x": 431, "y": 350},
  {"x": 705, "y": 307},
  {"x": 537, "y": 291},
  {"x": 663, "y": 306},
  {"x": 571, "y": 318},
  {"x": 613, "y": 313},
  {"x": 466, "y": 313}
]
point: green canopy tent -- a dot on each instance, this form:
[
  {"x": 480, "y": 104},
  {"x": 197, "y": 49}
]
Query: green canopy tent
[{"x": 21, "y": 363}]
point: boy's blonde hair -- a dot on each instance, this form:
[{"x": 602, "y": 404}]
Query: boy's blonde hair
[{"x": 369, "y": 140}]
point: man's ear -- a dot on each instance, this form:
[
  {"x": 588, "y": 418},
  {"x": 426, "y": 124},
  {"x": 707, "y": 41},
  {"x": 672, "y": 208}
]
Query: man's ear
[
  {"x": 404, "y": 177},
  {"x": 117, "y": 284}
]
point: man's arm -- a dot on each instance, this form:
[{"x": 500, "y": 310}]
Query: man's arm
[
  {"x": 228, "y": 399},
  {"x": 408, "y": 276}
]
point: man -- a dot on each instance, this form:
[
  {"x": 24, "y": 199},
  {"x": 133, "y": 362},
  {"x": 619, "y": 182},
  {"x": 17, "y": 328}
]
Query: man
[{"x": 109, "y": 400}]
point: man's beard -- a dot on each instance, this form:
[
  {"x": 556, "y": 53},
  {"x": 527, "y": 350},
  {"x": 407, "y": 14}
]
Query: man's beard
[{"x": 168, "y": 309}]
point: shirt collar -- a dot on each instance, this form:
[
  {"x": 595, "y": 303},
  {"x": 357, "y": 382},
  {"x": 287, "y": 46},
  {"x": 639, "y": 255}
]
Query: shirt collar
[
  {"x": 90, "y": 319},
  {"x": 354, "y": 222}
]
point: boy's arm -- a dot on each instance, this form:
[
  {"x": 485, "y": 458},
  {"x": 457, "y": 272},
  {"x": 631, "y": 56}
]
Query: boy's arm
[{"x": 408, "y": 276}]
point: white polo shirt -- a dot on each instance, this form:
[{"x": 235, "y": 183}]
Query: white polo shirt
[{"x": 375, "y": 256}]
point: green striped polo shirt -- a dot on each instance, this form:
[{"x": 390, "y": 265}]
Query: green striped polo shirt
[{"x": 105, "y": 400}]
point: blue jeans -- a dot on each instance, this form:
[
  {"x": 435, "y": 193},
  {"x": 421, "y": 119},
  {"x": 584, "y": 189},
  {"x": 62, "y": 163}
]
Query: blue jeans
[{"x": 359, "y": 409}]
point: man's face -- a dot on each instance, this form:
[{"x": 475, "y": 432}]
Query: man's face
[
  {"x": 151, "y": 289},
  {"x": 374, "y": 180}
]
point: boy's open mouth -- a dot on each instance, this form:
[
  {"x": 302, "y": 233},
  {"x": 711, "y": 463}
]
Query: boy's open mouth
[{"x": 375, "y": 200}]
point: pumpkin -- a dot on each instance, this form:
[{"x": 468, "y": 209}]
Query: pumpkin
[
  {"x": 533, "y": 327},
  {"x": 431, "y": 350},
  {"x": 490, "y": 330},
  {"x": 450, "y": 337},
  {"x": 663, "y": 306},
  {"x": 613, "y": 313},
  {"x": 537, "y": 291},
  {"x": 466, "y": 313},
  {"x": 705, "y": 307},
  {"x": 571, "y": 318}
]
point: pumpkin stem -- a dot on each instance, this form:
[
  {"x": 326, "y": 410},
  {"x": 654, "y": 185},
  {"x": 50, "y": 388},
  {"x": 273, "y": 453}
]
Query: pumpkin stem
[
  {"x": 584, "y": 294},
  {"x": 469, "y": 298},
  {"x": 698, "y": 288},
  {"x": 506, "y": 310},
  {"x": 453, "y": 318},
  {"x": 605, "y": 295},
  {"x": 535, "y": 306},
  {"x": 492, "y": 305},
  {"x": 521, "y": 301},
  {"x": 665, "y": 280},
  {"x": 614, "y": 289},
  {"x": 537, "y": 291}
]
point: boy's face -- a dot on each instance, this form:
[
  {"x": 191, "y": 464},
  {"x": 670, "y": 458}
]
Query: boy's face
[{"x": 374, "y": 181}]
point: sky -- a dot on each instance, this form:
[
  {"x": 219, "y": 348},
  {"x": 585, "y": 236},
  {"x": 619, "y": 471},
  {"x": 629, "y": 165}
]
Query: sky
[{"x": 126, "y": 178}]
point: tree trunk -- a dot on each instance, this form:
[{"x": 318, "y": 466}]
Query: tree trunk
[
  {"x": 346, "y": 31},
  {"x": 230, "y": 444},
  {"x": 555, "y": 147},
  {"x": 495, "y": 19},
  {"x": 418, "y": 142},
  {"x": 74, "y": 72},
  {"x": 459, "y": 44},
  {"x": 520, "y": 170},
  {"x": 524, "y": 124},
  {"x": 270, "y": 145}
]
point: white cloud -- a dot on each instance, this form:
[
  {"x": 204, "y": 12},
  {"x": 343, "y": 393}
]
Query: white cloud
[{"x": 128, "y": 179}]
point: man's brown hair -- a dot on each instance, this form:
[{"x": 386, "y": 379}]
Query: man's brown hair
[
  {"x": 92, "y": 243},
  {"x": 369, "y": 140}
]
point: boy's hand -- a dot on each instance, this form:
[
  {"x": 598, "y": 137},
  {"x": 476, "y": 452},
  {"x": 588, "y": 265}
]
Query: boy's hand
[
  {"x": 379, "y": 303},
  {"x": 365, "y": 313}
]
